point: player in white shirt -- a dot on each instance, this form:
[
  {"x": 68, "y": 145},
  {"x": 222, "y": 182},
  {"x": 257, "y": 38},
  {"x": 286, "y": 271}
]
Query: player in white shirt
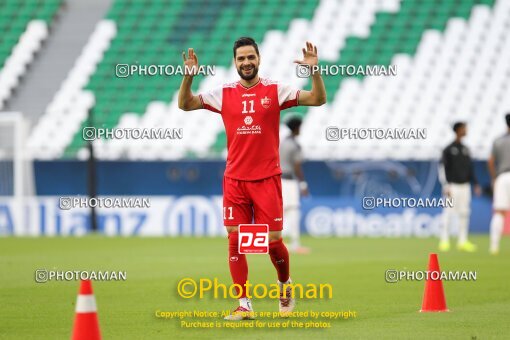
[
  {"x": 499, "y": 169},
  {"x": 293, "y": 184}
]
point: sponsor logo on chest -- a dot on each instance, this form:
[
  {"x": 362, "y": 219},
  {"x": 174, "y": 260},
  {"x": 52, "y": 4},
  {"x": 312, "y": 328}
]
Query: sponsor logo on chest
[{"x": 249, "y": 130}]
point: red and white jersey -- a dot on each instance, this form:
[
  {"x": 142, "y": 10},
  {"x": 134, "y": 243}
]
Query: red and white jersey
[{"x": 252, "y": 123}]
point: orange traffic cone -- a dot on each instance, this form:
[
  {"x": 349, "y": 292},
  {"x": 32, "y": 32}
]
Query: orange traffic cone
[
  {"x": 433, "y": 297},
  {"x": 86, "y": 326}
]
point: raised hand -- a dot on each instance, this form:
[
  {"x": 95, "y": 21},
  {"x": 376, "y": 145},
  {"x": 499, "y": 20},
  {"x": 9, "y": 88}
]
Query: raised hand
[
  {"x": 309, "y": 55},
  {"x": 190, "y": 63}
]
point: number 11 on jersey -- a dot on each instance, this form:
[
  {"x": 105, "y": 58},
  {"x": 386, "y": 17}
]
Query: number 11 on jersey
[{"x": 251, "y": 103}]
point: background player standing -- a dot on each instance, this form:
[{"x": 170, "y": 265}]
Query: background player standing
[
  {"x": 456, "y": 175},
  {"x": 293, "y": 184},
  {"x": 499, "y": 169},
  {"x": 250, "y": 110}
]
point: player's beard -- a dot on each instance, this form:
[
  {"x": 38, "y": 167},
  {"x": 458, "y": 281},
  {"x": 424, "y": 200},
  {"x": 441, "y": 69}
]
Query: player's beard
[{"x": 248, "y": 77}]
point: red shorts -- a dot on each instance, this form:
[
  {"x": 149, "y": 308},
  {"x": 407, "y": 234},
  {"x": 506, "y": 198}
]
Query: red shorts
[{"x": 260, "y": 202}]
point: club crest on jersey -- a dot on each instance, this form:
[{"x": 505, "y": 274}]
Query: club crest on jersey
[
  {"x": 248, "y": 120},
  {"x": 265, "y": 102}
]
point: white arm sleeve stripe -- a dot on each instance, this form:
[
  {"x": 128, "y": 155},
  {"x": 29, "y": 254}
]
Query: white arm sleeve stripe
[
  {"x": 212, "y": 100},
  {"x": 286, "y": 94}
]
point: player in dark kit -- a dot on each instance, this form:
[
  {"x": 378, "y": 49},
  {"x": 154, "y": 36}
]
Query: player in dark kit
[
  {"x": 456, "y": 175},
  {"x": 252, "y": 192}
]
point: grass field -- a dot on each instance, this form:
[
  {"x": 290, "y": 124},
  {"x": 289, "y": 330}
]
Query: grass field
[{"x": 355, "y": 268}]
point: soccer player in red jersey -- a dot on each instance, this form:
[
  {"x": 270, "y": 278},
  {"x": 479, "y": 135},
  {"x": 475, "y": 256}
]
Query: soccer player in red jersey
[{"x": 252, "y": 192}]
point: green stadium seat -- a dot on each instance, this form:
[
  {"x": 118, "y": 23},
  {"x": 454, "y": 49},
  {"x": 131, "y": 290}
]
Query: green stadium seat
[{"x": 14, "y": 18}]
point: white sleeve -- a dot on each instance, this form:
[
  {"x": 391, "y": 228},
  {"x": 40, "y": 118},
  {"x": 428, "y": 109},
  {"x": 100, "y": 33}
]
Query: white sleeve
[
  {"x": 212, "y": 100},
  {"x": 287, "y": 96}
]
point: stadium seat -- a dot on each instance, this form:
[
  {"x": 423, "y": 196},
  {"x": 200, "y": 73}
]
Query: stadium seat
[{"x": 24, "y": 27}]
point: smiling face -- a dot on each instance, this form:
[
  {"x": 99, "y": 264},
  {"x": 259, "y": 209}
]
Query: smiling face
[{"x": 247, "y": 62}]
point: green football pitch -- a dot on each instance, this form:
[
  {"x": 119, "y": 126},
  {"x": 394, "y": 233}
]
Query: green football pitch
[{"x": 355, "y": 268}]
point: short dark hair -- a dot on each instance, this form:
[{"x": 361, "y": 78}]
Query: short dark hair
[
  {"x": 507, "y": 118},
  {"x": 458, "y": 125},
  {"x": 294, "y": 123},
  {"x": 245, "y": 41}
]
